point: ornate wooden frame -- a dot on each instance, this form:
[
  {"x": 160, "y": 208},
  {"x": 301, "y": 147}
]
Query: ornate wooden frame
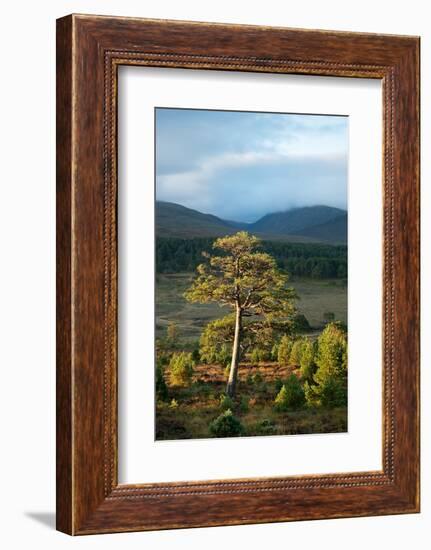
[{"x": 89, "y": 51}]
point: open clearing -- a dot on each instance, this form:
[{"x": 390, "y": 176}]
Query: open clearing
[{"x": 316, "y": 298}]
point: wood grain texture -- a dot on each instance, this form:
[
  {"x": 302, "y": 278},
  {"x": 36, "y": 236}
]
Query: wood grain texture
[
  {"x": 64, "y": 497},
  {"x": 90, "y": 49}
]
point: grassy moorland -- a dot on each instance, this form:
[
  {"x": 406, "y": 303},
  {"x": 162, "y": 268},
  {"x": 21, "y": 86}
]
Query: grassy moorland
[{"x": 316, "y": 297}]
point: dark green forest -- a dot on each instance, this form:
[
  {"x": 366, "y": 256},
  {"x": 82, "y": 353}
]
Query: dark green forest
[{"x": 318, "y": 261}]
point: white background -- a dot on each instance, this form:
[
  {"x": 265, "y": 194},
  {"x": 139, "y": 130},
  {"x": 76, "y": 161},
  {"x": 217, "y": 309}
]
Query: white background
[
  {"x": 27, "y": 122},
  {"x": 143, "y": 460}
]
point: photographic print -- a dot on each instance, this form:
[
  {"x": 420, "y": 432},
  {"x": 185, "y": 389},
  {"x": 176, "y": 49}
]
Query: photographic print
[
  {"x": 251, "y": 273},
  {"x": 203, "y": 266}
]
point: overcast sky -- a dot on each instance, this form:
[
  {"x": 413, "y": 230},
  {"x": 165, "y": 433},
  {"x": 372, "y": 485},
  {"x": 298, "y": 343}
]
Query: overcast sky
[{"x": 241, "y": 166}]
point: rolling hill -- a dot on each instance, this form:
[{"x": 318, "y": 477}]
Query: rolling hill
[
  {"x": 334, "y": 230},
  {"x": 307, "y": 224},
  {"x": 295, "y": 220},
  {"x": 174, "y": 220}
]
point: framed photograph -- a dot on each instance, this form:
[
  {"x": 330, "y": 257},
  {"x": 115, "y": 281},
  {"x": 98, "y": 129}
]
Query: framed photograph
[{"x": 237, "y": 274}]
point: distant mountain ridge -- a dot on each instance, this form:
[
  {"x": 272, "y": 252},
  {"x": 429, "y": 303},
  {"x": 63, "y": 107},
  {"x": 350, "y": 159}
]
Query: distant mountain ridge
[
  {"x": 307, "y": 224},
  {"x": 334, "y": 230},
  {"x": 295, "y": 220},
  {"x": 175, "y": 220}
]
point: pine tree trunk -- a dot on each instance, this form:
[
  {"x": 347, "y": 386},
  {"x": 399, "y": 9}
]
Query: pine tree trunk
[{"x": 233, "y": 373}]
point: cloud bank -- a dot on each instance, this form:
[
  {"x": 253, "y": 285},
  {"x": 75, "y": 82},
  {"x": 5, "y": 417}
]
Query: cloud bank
[{"x": 241, "y": 165}]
